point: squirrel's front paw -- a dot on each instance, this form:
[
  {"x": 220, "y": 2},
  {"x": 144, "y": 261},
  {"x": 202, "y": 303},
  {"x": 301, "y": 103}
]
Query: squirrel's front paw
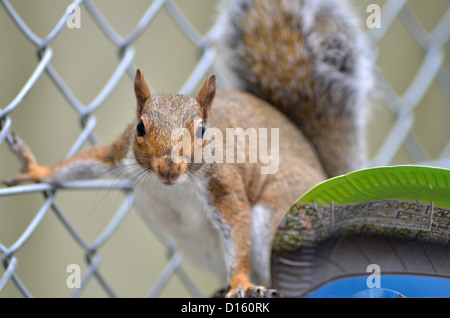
[
  {"x": 30, "y": 170},
  {"x": 253, "y": 292}
]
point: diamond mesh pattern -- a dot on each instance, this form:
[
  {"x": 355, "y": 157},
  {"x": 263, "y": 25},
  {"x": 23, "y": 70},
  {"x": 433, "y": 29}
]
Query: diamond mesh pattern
[{"x": 406, "y": 107}]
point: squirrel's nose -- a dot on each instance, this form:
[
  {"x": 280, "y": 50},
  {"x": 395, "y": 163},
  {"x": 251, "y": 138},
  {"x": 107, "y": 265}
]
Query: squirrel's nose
[
  {"x": 168, "y": 170},
  {"x": 168, "y": 173}
]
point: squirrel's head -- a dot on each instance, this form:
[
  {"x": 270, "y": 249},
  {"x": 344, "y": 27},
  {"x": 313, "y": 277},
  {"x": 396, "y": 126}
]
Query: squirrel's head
[{"x": 160, "y": 117}]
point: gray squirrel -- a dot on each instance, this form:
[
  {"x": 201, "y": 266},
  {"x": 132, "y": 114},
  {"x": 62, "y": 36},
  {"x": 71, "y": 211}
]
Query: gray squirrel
[{"x": 297, "y": 65}]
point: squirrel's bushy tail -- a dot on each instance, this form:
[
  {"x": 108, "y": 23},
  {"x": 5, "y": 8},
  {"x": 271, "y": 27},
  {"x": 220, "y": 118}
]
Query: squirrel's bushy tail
[{"x": 308, "y": 59}]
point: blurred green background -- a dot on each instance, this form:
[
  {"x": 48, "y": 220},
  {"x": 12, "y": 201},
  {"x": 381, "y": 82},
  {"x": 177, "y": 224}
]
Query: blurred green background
[{"x": 132, "y": 259}]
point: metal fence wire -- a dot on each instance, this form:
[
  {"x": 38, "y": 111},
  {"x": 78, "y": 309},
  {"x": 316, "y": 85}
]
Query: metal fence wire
[{"x": 416, "y": 112}]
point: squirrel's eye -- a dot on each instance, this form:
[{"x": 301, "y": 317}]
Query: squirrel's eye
[
  {"x": 140, "y": 128},
  {"x": 200, "y": 131}
]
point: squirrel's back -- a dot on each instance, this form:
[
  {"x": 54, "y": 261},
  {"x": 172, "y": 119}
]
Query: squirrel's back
[{"x": 307, "y": 58}]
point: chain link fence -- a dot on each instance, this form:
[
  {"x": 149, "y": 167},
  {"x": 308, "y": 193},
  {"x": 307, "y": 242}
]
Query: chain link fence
[{"x": 85, "y": 57}]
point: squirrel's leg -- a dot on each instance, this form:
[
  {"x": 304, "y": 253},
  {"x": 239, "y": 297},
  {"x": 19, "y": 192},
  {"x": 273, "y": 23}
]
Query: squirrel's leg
[
  {"x": 88, "y": 164},
  {"x": 237, "y": 244},
  {"x": 234, "y": 221},
  {"x": 240, "y": 265},
  {"x": 240, "y": 284}
]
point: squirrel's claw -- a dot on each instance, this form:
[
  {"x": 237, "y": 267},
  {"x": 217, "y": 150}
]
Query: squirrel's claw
[
  {"x": 253, "y": 292},
  {"x": 16, "y": 180},
  {"x": 23, "y": 152},
  {"x": 30, "y": 170}
]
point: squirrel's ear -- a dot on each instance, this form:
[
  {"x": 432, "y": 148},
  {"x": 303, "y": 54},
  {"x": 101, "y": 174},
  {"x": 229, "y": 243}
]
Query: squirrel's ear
[
  {"x": 206, "y": 95},
  {"x": 142, "y": 91}
]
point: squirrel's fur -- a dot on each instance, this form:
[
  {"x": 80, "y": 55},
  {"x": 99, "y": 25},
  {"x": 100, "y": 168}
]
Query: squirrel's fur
[
  {"x": 307, "y": 58},
  {"x": 302, "y": 56}
]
